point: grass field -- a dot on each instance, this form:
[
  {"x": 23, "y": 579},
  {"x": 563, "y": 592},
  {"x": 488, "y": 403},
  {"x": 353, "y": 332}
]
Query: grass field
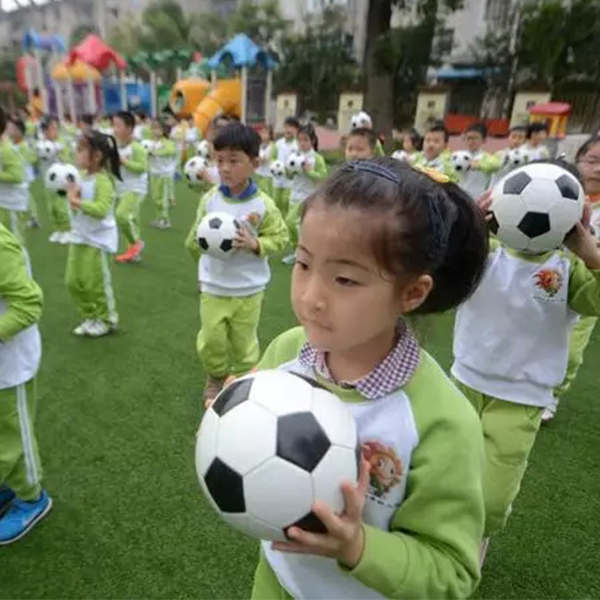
[{"x": 116, "y": 424}]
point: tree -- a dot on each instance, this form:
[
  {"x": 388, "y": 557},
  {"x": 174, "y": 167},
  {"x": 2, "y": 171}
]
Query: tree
[
  {"x": 164, "y": 25},
  {"x": 80, "y": 32}
]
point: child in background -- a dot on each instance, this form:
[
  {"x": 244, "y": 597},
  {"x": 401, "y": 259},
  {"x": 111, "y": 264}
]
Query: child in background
[
  {"x": 365, "y": 121},
  {"x": 85, "y": 124},
  {"x": 232, "y": 297},
  {"x": 477, "y": 180},
  {"x": 288, "y": 144},
  {"x": 511, "y": 342},
  {"x": 516, "y": 139},
  {"x": 304, "y": 184},
  {"x": 435, "y": 154},
  {"x": 14, "y": 188},
  {"x": 94, "y": 235},
  {"x": 267, "y": 152},
  {"x": 23, "y": 502},
  {"x": 16, "y": 133},
  {"x": 133, "y": 186},
  {"x": 537, "y": 134},
  {"x": 380, "y": 241},
  {"x": 412, "y": 144},
  {"x": 588, "y": 164},
  {"x": 163, "y": 163},
  {"x": 142, "y": 130},
  {"x": 360, "y": 145}
]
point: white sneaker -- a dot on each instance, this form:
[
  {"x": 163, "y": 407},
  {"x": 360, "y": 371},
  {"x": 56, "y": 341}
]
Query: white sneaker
[
  {"x": 548, "y": 414},
  {"x": 83, "y": 328},
  {"x": 65, "y": 238},
  {"x": 290, "y": 259},
  {"x": 98, "y": 329},
  {"x": 54, "y": 238}
]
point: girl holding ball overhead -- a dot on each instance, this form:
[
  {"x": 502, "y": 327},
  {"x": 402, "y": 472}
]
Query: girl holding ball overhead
[{"x": 379, "y": 241}]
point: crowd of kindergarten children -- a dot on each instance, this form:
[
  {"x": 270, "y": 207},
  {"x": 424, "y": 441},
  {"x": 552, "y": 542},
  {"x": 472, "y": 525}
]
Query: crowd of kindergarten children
[{"x": 376, "y": 240}]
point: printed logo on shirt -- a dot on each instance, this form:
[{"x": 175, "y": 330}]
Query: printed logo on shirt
[
  {"x": 550, "y": 281},
  {"x": 253, "y": 219},
  {"x": 386, "y": 467}
]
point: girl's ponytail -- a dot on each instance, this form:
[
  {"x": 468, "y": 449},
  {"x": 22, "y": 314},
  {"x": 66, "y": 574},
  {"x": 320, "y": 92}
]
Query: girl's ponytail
[{"x": 113, "y": 156}]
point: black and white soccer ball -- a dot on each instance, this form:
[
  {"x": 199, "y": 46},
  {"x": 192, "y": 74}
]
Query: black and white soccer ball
[
  {"x": 461, "y": 161},
  {"x": 534, "y": 207},
  {"x": 277, "y": 168},
  {"x": 149, "y": 146},
  {"x": 59, "y": 176},
  {"x": 194, "y": 169},
  {"x": 216, "y": 233},
  {"x": 270, "y": 445},
  {"x": 517, "y": 157},
  {"x": 295, "y": 163},
  {"x": 203, "y": 149},
  {"x": 400, "y": 155},
  {"x": 361, "y": 120},
  {"x": 46, "y": 150}
]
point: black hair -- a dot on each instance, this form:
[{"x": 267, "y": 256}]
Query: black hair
[
  {"x": 416, "y": 138},
  {"x": 587, "y": 146},
  {"x": 366, "y": 133},
  {"x": 166, "y": 128},
  {"x": 480, "y": 128},
  {"x": 270, "y": 131},
  {"x": 107, "y": 146},
  {"x": 142, "y": 115},
  {"x": 237, "y": 136},
  {"x": 418, "y": 226},
  {"x": 87, "y": 119},
  {"x": 19, "y": 124},
  {"x": 440, "y": 128},
  {"x": 522, "y": 128},
  {"x": 47, "y": 121},
  {"x": 126, "y": 117},
  {"x": 309, "y": 130},
  {"x": 3, "y": 120},
  {"x": 536, "y": 127},
  {"x": 292, "y": 122}
]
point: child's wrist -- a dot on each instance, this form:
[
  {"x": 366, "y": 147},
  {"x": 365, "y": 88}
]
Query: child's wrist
[{"x": 353, "y": 553}]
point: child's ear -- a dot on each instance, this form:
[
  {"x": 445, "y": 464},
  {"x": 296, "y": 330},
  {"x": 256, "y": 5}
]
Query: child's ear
[{"x": 256, "y": 162}]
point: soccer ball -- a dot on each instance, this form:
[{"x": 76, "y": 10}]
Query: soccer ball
[
  {"x": 461, "y": 161},
  {"x": 149, "y": 145},
  {"x": 361, "y": 120},
  {"x": 59, "y": 176},
  {"x": 517, "y": 157},
  {"x": 277, "y": 168},
  {"x": 194, "y": 168},
  {"x": 270, "y": 445},
  {"x": 215, "y": 234},
  {"x": 295, "y": 163},
  {"x": 535, "y": 207},
  {"x": 203, "y": 148},
  {"x": 400, "y": 155},
  {"x": 46, "y": 150}
]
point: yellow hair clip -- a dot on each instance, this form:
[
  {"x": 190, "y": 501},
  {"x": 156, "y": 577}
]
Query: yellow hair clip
[{"x": 435, "y": 175}]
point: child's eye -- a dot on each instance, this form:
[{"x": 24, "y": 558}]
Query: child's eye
[
  {"x": 345, "y": 282},
  {"x": 301, "y": 265}
]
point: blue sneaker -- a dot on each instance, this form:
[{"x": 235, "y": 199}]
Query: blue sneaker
[
  {"x": 22, "y": 517},
  {"x": 6, "y": 497}
]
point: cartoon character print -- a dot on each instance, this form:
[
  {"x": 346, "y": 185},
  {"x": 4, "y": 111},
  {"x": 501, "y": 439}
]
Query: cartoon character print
[
  {"x": 386, "y": 468},
  {"x": 549, "y": 280},
  {"x": 252, "y": 221}
]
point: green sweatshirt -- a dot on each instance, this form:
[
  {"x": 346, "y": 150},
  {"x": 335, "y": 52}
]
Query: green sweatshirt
[
  {"x": 138, "y": 162},
  {"x": 11, "y": 164},
  {"x": 18, "y": 291},
  {"x": 432, "y": 547},
  {"x": 442, "y": 163},
  {"x": 166, "y": 148},
  {"x": 320, "y": 170},
  {"x": 27, "y": 152}
]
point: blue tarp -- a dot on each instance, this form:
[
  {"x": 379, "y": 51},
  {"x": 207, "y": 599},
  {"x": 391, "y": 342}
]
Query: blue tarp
[
  {"x": 242, "y": 52},
  {"x": 32, "y": 40},
  {"x": 458, "y": 73}
]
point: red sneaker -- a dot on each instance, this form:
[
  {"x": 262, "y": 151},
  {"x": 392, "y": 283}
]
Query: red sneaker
[{"x": 132, "y": 253}]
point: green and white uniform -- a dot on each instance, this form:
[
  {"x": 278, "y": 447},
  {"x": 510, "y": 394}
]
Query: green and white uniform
[
  {"x": 93, "y": 238},
  {"x": 442, "y": 163},
  {"x": 58, "y": 206},
  {"x": 232, "y": 290},
  {"x": 303, "y": 185},
  {"x": 476, "y": 181},
  {"x": 423, "y": 529},
  {"x": 511, "y": 344},
  {"x": 132, "y": 190},
  {"x": 20, "y": 356},
  {"x": 281, "y": 186},
  {"x": 14, "y": 188},
  {"x": 163, "y": 164},
  {"x": 263, "y": 172},
  {"x": 29, "y": 159}
]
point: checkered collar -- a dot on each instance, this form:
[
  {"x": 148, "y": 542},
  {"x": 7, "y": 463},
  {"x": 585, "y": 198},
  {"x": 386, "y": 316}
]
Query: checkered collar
[{"x": 390, "y": 374}]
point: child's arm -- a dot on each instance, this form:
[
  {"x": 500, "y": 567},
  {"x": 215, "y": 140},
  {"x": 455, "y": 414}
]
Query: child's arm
[
  {"x": 319, "y": 171},
  {"x": 448, "y": 169},
  {"x": 17, "y": 289},
  {"x": 274, "y": 153},
  {"x": 12, "y": 170},
  {"x": 191, "y": 243},
  {"x": 167, "y": 148},
  {"x": 584, "y": 289},
  {"x": 138, "y": 163},
  {"x": 273, "y": 236},
  {"x": 104, "y": 196},
  {"x": 490, "y": 163}
]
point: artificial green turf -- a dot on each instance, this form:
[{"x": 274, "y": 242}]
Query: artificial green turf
[{"x": 116, "y": 424}]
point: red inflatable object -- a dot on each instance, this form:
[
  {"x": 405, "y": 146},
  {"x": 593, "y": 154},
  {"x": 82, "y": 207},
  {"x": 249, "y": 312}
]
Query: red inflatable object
[
  {"x": 23, "y": 64},
  {"x": 93, "y": 51}
]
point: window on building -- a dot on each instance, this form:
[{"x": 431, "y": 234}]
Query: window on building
[{"x": 444, "y": 42}]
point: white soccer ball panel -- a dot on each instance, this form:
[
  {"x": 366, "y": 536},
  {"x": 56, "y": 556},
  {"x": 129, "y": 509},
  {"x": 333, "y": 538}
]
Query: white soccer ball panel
[
  {"x": 400, "y": 155},
  {"x": 268, "y": 385},
  {"x": 295, "y": 163},
  {"x": 216, "y": 233},
  {"x": 247, "y": 437},
  {"x": 206, "y": 442},
  {"x": 335, "y": 418},
  {"x": 278, "y": 492},
  {"x": 461, "y": 160},
  {"x": 277, "y": 168},
  {"x": 254, "y": 527},
  {"x": 203, "y": 149},
  {"x": 337, "y": 466},
  {"x": 540, "y": 194},
  {"x": 509, "y": 210}
]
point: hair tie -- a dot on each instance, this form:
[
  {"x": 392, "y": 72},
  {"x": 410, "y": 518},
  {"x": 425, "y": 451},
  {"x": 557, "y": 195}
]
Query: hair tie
[{"x": 366, "y": 166}]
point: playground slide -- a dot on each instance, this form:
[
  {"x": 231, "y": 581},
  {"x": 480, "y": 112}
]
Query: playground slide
[{"x": 226, "y": 98}]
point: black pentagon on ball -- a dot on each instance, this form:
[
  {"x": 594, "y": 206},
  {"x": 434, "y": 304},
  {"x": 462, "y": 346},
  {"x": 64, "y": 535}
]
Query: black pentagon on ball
[
  {"x": 232, "y": 396},
  {"x": 309, "y": 522},
  {"x": 215, "y": 223},
  {"x": 203, "y": 243},
  {"x": 568, "y": 187},
  {"x": 226, "y": 245},
  {"x": 516, "y": 184},
  {"x": 52, "y": 176},
  {"x": 226, "y": 487},
  {"x": 493, "y": 224},
  {"x": 312, "y": 382},
  {"x": 71, "y": 178},
  {"x": 534, "y": 224},
  {"x": 301, "y": 440}
]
